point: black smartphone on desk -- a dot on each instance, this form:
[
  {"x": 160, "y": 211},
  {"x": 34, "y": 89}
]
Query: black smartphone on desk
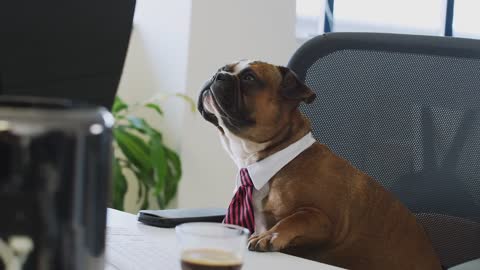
[{"x": 170, "y": 218}]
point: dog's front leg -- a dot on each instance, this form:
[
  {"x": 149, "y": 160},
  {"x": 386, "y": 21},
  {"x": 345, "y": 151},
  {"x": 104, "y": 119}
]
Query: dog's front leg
[{"x": 307, "y": 226}]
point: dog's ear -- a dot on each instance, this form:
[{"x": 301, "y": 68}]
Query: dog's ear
[{"x": 292, "y": 88}]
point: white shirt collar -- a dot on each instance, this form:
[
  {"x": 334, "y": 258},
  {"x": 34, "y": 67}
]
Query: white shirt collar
[{"x": 262, "y": 171}]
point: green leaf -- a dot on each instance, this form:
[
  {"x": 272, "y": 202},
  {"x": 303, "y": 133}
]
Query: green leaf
[
  {"x": 145, "y": 198},
  {"x": 143, "y": 127},
  {"x": 146, "y": 177},
  {"x": 161, "y": 202},
  {"x": 174, "y": 163},
  {"x": 154, "y": 132},
  {"x": 140, "y": 190},
  {"x": 174, "y": 174},
  {"x": 159, "y": 162},
  {"x": 189, "y": 100},
  {"x": 145, "y": 181},
  {"x": 155, "y": 107},
  {"x": 138, "y": 124},
  {"x": 118, "y": 105},
  {"x": 134, "y": 148},
  {"x": 170, "y": 188},
  {"x": 119, "y": 185},
  {"x": 127, "y": 164}
]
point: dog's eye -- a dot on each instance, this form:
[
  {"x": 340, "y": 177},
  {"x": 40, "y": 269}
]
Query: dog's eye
[{"x": 248, "y": 77}]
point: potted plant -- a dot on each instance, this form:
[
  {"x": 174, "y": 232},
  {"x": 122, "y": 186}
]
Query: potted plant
[{"x": 139, "y": 148}]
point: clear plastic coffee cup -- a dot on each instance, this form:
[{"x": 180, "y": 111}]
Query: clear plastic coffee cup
[{"x": 209, "y": 246}]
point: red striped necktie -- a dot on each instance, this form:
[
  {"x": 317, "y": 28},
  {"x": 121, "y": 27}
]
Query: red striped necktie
[{"x": 240, "y": 210}]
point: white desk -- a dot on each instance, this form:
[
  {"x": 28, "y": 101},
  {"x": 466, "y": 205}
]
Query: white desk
[{"x": 132, "y": 245}]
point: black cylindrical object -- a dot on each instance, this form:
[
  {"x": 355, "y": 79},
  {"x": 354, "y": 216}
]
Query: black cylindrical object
[{"x": 55, "y": 171}]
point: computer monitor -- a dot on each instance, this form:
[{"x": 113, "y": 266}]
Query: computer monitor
[{"x": 64, "y": 49}]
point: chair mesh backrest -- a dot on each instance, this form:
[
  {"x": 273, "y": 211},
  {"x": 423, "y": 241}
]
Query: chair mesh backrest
[{"x": 410, "y": 120}]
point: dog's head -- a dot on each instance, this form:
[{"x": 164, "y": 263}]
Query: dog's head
[{"x": 253, "y": 100}]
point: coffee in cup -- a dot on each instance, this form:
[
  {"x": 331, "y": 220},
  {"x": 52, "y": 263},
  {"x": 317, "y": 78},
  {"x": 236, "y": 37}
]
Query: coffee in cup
[{"x": 210, "y": 259}]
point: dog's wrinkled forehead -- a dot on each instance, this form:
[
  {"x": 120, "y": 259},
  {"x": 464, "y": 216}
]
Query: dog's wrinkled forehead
[
  {"x": 260, "y": 68},
  {"x": 236, "y": 67}
]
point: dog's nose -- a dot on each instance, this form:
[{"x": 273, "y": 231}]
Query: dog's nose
[{"x": 221, "y": 76}]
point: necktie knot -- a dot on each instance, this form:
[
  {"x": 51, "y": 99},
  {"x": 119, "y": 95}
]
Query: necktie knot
[{"x": 245, "y": 178}]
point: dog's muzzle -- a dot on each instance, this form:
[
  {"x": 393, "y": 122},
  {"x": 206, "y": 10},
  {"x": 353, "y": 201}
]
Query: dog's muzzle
[{"x": 225, "y": 91}]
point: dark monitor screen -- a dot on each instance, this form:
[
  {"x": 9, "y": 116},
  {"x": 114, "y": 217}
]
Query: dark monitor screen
[{"x": 63, "y": 48}]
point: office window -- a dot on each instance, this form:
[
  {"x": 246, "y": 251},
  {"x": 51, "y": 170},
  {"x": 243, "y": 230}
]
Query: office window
[
  {"x": 310, "y": 18},
  {"x": 424, "y": 17},
  {"x": 466, "y": 19}
]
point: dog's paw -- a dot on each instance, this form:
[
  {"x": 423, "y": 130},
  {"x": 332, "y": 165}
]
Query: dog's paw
[{"x": 267, "y": 241}]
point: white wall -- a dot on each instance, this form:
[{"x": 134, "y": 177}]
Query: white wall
[
  {"x": 176, "y": 46},
  {"x": 223, "y": 31},
  {"x": 156, "y": 63}
]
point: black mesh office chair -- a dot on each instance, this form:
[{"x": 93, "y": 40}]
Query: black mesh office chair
[{"x": 406, "y": 110}]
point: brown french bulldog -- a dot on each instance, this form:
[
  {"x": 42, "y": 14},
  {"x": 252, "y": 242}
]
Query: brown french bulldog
[{"x": 318, "y": 206}]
